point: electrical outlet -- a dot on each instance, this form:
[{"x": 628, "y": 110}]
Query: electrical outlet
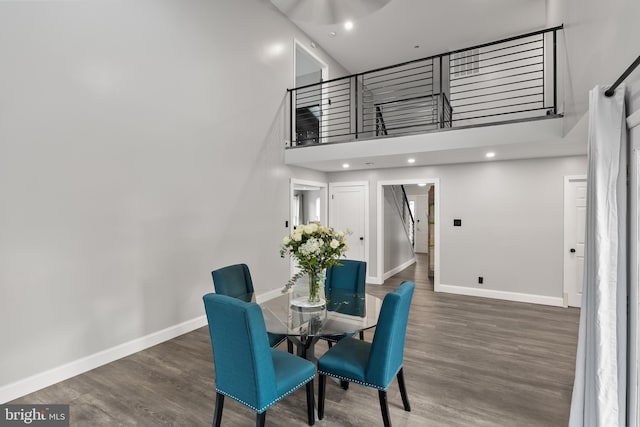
[{"x": 480, "y": 280}]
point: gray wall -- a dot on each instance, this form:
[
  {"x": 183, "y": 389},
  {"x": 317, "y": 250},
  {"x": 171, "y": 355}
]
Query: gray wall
[
  {"x": 141, "y": 146},
  {"x": 397, "y": 246},
  {"x": 512, "y": 218}
]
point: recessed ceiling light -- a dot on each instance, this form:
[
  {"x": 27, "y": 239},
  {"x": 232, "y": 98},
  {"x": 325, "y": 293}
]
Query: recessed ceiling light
[
  {"x": 411, "y": 160},
  {"x": 332, "y": 34},
  {"x": 348, "y": 25},
  {"x": 345, "y": 165},
  {"x": 422, "y": 185},
  {"x": 490, "y": 155}
]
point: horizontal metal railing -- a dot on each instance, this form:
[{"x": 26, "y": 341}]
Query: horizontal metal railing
[{"x": 510, "y": 79}]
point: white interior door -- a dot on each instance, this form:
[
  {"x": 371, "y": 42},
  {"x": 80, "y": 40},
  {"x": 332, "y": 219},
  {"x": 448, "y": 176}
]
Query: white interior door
[
  {"x": 348, "y": 210},
  {"x": 422, "y": 224},
  {"x": 575, "y": 209}
]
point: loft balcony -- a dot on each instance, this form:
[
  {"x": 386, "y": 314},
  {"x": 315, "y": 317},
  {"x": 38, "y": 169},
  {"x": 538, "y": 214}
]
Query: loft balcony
[{"x": 444, "y": 105}]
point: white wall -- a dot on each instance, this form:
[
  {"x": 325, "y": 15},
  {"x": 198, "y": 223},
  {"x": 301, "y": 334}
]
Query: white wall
[
  {"x": 137, "y": 139},
  {"x": 600, "y": 41},
  {"x": 397, "y": 246},
  {"x": 512, "y": 221}
]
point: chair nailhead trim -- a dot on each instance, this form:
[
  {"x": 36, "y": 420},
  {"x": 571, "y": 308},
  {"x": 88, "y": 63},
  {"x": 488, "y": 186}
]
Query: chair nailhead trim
[
  {"x": 358, "y": 382},
  {"x": 265, "y": 407},
  {"x": 351, "y": 380}
]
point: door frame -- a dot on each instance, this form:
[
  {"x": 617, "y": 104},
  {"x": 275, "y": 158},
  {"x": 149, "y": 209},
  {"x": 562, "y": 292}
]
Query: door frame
[
  {"x": 568, "y": 180},
  {"x": 324, "y": 70},
  {"x": 379, "y": 279},
  {"x": 325, "y": 194},
  {"x": 364, "y": 184}
]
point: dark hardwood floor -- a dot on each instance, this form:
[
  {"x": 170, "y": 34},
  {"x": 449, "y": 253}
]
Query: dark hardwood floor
[{"x": 468, "y": 362}]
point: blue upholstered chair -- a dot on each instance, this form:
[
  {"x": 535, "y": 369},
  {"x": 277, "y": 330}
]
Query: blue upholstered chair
[
  {"x": 350, "y": 276},
  {"x": 373, "y": 364},
  {"x": 246, "y": 368},
  {"x": 235, "y": 281}
]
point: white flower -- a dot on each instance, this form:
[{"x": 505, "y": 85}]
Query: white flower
[
  {"x": 314, "y": 246},
  {"x": 311, "y": 247}
]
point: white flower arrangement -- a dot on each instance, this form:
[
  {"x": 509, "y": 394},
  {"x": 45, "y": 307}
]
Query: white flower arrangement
[{"x": 315, "y": 247}]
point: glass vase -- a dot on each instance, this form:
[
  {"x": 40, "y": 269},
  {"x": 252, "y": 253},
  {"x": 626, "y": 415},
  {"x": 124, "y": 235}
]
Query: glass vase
[{"x": 316, "y": 286}]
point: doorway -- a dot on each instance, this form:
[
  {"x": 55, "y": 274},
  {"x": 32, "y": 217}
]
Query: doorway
[
  {"x": 308, "y": 202},
  {"x": 423, "y": 194},
  {"x": 418, "y": 198},
  {"x": 310, "y": 122}
]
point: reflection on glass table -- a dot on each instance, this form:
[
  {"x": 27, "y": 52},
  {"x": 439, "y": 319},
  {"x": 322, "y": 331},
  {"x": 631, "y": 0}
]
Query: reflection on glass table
[{"x": 342, "y": 313}]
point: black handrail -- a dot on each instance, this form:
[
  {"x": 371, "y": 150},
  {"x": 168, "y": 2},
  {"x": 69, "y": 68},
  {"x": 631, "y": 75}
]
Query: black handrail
[
  {"x": 380, "y": 126},
  {"x": 406, "y": 202},
  {"x": 426, "y": 58},
  {"x": 624, "y": 75}
]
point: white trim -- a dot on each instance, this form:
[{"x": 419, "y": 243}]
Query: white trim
[
  {"x": 325, "y": 214},
  {"x": 374, "y": 280},
  {"x": 365, "y": 184},
  {"x": 399, "y": 268},
  {"x": 323, "y": 65},
  {"x": 324, "y": 120},
  {"x": 323, "y": 185},
  {"x": 268, "y": 295},
  {"x": 39, "y": 381},
  {"x": 503, "y": 295},
  {"x": 380, "y": 231}
]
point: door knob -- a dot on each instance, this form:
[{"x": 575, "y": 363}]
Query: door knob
[
  {"x": 362, "y": 238},
  {"x": 572, "y": 250}
]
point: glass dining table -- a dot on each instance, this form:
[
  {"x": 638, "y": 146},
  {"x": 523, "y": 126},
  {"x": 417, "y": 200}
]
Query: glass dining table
[{"x": 342, "y": 313}]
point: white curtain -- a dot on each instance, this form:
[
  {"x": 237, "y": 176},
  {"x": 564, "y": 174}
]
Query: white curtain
[{"x": 600, "y": 386}]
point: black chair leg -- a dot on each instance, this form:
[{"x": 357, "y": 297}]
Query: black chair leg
[
  {"x": 344, "y": 384},
  {"x": 361, "y": 335},
  {"x": 217, "y": 415},
  {"x": 330, "y": 344},
  {"x": 403, "y": 391},
  {"x": 322, "y": 383},
  {"x": 289, "y": 346},
  {"x": 310, "y": 404},
  {"x": 384, "y": 407},
  {"x": 260, "y": 419}
]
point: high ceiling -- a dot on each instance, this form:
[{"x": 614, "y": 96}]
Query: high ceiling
[{"x": 390, "y": 34}]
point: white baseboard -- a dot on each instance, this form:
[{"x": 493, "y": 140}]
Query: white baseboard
[
  {"x": 39, "y": 381},
  {"x": 266, "y": 296},
  {"x": 374, "y": 280},
  {"x": 504, "y": 295},
  {"x": 399, "y": 268}
]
